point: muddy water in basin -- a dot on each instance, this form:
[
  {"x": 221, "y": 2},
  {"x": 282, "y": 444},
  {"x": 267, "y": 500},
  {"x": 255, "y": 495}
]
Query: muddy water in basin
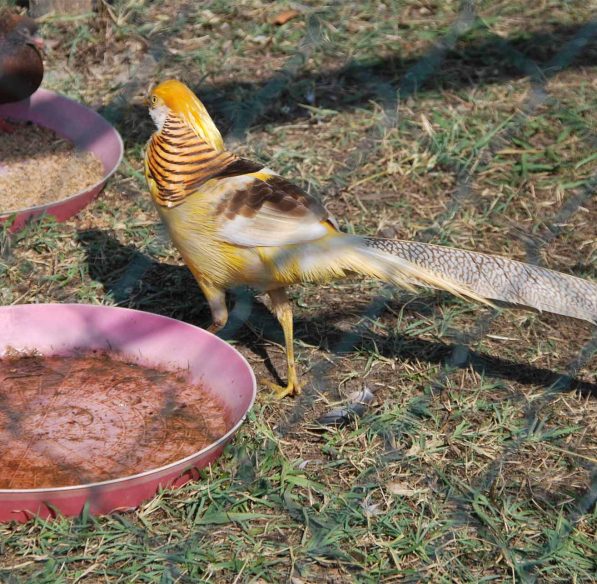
[{"x": 93, "y": 417}]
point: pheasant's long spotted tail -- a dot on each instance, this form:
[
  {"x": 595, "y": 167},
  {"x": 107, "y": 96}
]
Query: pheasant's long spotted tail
[{"x": 501, "y": 279}]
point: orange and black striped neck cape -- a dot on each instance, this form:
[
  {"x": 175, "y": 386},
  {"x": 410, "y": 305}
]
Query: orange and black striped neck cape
[{"x": 179, "y": 162}]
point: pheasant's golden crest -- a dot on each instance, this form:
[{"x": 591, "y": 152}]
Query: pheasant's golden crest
[{"x": 186, "y": 106}]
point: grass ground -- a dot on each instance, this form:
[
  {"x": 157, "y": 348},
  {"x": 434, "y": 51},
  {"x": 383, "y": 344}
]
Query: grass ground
[{"x": 471, "y": 126}]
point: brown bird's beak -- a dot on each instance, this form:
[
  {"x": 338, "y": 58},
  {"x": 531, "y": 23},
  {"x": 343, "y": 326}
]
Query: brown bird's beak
[
  {"x": 33, "y": 39},
  {"x": 37, "y": 42}
]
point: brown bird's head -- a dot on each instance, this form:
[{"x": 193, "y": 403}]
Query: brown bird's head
[
  {"x": 19, "y": 30},
  {"x": 173, "y": 98},
  {"x": 21, "y": 66}
]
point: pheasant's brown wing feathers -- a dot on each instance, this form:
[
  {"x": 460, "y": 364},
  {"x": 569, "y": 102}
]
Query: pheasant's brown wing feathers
[
  {"x": 275, "y": 193},
  {"x": 267, "y": 210},
  {"x": 239, "y": 167}
]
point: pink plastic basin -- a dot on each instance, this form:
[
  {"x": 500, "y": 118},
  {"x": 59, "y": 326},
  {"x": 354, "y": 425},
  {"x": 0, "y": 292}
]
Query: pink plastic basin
[
  {"x": 144, "y": 338},
  {"x": 82, "y": 126}
]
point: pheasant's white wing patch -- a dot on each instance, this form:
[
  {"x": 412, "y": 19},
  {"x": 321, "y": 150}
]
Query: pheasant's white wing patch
[{"x": 269, "y": 213}]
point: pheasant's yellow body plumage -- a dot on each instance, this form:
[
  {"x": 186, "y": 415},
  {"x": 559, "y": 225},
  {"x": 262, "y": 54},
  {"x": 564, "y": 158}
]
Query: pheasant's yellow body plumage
[{"x": 236, "y": 222}]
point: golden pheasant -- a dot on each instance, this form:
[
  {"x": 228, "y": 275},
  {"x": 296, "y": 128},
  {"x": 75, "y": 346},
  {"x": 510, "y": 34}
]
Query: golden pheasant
[{"x": 236, "y": 222}]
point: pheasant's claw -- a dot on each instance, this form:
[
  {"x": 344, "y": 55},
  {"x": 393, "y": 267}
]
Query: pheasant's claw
[
  {"x": 280, "y": 391},
  {"x": 214, "y": 327}
]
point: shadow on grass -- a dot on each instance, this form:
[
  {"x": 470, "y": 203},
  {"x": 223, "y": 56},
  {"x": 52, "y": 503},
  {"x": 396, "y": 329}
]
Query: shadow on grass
[
  {"x": 479, "y": 58},
  {"x": 137, "y": 281}
]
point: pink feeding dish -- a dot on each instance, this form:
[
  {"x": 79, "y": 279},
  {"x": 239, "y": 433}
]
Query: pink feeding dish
[
  {"x": 63, "y": 425},
  {"x": 82, "y": 126}
]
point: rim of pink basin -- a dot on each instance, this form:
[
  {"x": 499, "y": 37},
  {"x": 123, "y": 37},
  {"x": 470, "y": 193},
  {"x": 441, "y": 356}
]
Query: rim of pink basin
[
  {"x": 81, "y": 125},
  {"x": 86, "y": 326}
]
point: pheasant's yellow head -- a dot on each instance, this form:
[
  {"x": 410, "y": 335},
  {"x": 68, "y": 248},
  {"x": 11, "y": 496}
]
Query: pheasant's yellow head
[{"x": 174, "y": 98}]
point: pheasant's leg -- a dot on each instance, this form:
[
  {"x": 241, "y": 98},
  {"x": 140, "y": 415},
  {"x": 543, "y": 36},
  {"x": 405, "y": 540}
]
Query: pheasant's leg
[
  {"x": 216, "y": 298},
  {"x": 283, "y": 311}
]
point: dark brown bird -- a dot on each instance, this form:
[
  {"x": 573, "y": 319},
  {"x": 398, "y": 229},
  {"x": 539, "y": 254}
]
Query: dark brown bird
[{"x": 21, "y": 65}]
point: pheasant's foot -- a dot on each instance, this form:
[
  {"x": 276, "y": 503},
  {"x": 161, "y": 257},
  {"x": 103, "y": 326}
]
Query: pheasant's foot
[
  {"x": 214, "y": 327},
  {"x": 293, "y": 388}
]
